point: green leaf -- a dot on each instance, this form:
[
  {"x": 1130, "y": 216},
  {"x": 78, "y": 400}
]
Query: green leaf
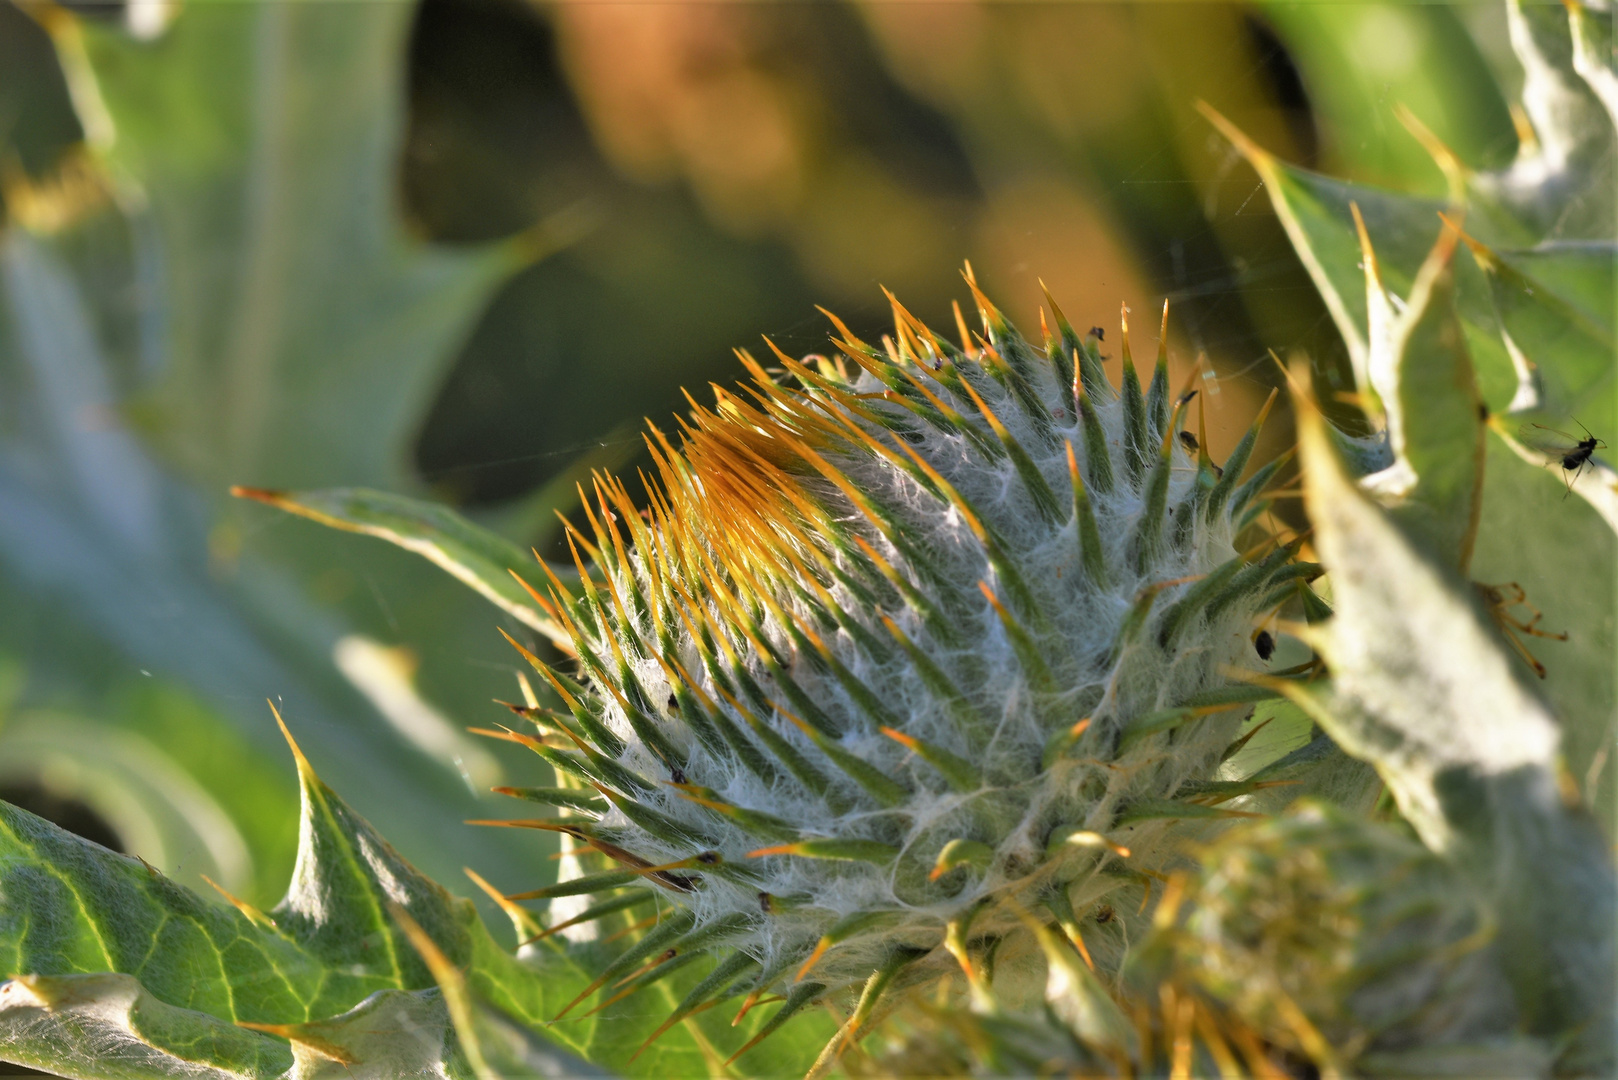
[
  {"x": 262, "y": 140},
  {"x": 1315, "y": 211},
  {"x": 1421, "y": 373},
  {"x": 1565, "y": 189},
  {"x": 1576, "y": 274},
  {"x": 1362, "y": 61},
  {"x": 1422, "y": 689},
  {"x": 1563, "y": 554},
  {"x": 1284, "y": 748},
  {"x": 1549, "y": 307},
  {"x": 1593, "y": 55},
  {"x": 108, "y": 1026},
  {"x": 140, "y": 946},
  {"x": 1536, "y": 318},
  {"x": 476, "y": 557},
  {"x": 1275, "y": 729},
  {"x": 365, "y": 966},
  {"x": 173, "y": 973}
]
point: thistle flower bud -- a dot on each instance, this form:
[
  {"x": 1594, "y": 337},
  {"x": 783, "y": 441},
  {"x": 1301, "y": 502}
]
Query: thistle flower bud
[{"x": 908, "y": 644}]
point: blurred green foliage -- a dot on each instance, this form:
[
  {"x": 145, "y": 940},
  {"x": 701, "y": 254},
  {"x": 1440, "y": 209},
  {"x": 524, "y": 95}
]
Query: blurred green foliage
[{"x": 458, "y": 248}]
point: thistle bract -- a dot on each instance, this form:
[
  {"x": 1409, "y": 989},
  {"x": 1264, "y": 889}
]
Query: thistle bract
[{"x": 908, "y": 645}]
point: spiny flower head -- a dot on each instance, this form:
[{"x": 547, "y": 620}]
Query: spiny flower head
[
  {"x": 907, "y": 645},
  {"x": 1312, "y": 934}
]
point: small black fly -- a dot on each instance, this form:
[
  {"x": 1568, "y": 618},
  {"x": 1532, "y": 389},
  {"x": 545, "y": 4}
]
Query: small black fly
[
  {"x": 1574, "y": 452},
  {"x": 1189, "y": 441}
]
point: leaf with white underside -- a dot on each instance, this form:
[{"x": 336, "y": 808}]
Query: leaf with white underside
[
  {"x": 1533, "y": 303},
  {"x": 480, "y": 559},
  {"x": 1422, "y": 688}
]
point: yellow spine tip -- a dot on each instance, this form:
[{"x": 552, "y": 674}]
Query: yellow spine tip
[{"x": 304, "y": 768}]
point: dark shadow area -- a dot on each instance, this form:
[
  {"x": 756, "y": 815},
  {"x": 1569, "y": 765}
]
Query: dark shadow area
[
  {"x": 36, "y": 116},
  {"x": 71, "y": 814},
  {"x": 1285, "y": 83},
  {"x": 592, "y": 340}
]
